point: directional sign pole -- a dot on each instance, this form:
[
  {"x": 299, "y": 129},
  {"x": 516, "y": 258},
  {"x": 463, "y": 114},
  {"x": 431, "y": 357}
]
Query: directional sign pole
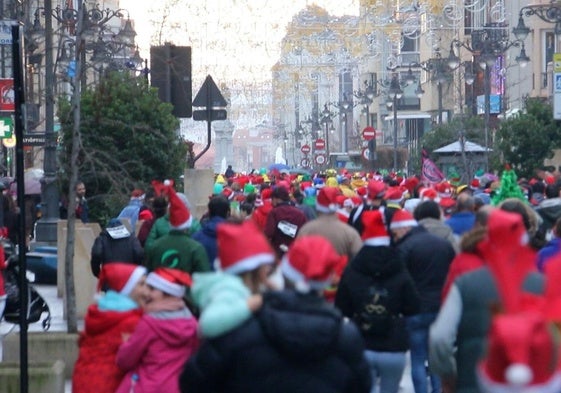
[{"x": 209, "y": 97}]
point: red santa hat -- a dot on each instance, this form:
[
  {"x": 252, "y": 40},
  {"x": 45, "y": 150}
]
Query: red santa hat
[
  {"x": 326, "y": 201},
  {"x": 170, "y": 281},
  {"x": 266, "y": 193},
  {"x": 444, "y": 189},
  {"x": 394, "y": 195},
  {"x": 402, "y": 219},
  {"x": 375, "y": 233},
  {"x": 179, "y": 215},
  {"x": 376, "y": 189},
  {"x": 522, "y": 356},
  {"x": 429, "y": 194},
  {"x": 242, "y": 248},
  {"x": 310, "y": 263},
  {"x": 120, "y": 277}
]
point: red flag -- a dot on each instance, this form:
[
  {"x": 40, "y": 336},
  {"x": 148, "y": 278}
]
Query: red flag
[{"x": 430, "y": 172}]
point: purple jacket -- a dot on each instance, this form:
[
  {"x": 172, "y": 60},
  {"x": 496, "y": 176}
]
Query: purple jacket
[{"x": 155, "y": 353}]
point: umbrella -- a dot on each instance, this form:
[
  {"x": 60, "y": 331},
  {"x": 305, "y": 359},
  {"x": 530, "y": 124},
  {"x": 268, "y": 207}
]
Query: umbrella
[
  {"x": 278, "y": 167},
  {"x": 31, "y": 182}
]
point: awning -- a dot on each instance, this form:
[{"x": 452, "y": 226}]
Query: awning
[{"x": 409, "y": 115}]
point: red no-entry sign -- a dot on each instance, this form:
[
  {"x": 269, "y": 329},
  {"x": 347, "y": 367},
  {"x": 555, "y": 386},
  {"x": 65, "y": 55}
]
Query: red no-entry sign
[
  {"x": 305, "y": 149},
  {"x": 369, "y": 133},
  {"x": 320, "y": 144}
]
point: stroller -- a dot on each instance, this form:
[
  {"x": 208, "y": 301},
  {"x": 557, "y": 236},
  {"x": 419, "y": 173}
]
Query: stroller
[{"x": 36, "y": 306}]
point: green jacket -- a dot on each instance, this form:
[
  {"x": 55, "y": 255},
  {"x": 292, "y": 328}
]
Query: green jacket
[
  {"x": 177, "y": 250},
  {"x": 162, "y": 227}
]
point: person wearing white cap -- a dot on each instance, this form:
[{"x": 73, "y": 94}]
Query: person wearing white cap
[
  {"x": 164, "y": 339},
  {"x": 297, "y": 342},
  {"x": 115, "y": 313}
]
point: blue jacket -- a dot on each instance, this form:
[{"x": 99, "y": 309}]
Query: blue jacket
[
  {"x": 461, "y": 222},
  {"x": 207, "y": 237},
  {"x": 548, "y": 251}
]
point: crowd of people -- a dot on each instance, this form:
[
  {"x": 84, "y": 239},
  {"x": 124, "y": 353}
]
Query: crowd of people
[{"x": 324, "y": 283}]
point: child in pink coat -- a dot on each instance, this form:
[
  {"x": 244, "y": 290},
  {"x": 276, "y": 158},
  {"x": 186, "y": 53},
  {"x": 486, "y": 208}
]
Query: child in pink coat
[{"x": 166, "y": 336}]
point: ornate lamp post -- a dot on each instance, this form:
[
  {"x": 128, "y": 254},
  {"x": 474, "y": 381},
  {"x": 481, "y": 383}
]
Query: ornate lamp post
[
  {"x": 394, "y": 94},
  {"x": 327, "y": 122},
  {"x": 487, "y": 45},
  {"x": 94, "y": 19}
]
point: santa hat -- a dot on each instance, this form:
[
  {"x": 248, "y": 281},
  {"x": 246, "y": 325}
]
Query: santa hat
[
  {"x": 429, "y": 193},
  {"x": 242, "y": 248},
  {"x": 120, "y": 277},
  {"x": 179, "y": 215},
  {"x": 266, "y": 193},
  {"x": 444, "y": 189},
  {"x": 170, "y": 281},
  {"x": 394, "y": 195},
  {"x": 376, "y": 189},
  {"x": 375, "y": 233},
  {"x": 522, "y": 356},
  {"x": 326, "y": 201},
  {"x": 402, "y": 219},
  {"x": 310, "y": 263}
]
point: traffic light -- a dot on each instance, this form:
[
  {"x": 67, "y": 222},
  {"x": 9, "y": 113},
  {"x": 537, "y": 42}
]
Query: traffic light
[{"x": 170, "y": 69}]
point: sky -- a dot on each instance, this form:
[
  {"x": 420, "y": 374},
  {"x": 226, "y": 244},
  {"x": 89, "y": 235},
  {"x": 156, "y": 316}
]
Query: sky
[{"x": 230, "y": 39}]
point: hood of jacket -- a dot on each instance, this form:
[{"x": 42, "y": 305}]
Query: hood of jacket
[
  {"x": 471, "y": 239},
  {"x": 377, "y": 261},
  {"x": 210, "y": 225},
  {"x": 302, "y": 327},
  {"x": 175, "y": 328},
  {"x": 100, "y": 321},
  {"x": 206, "y": 286},
  {"x": 436, "y": 227}
]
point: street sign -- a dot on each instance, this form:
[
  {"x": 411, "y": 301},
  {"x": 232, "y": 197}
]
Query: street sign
[
  {"x": 305, "y": 163},
  {"x": 7, "y": 95},
  {"x": 319, "y": 144},
  {"x": 6, "y": 127},
  {"x": 369, "y": 133},
  {"x": 35, "y": 139},
  {"x": 320, "y": 159},
  {"x": 209, "y": 95},
  {"x": 366, "y": 153},
  {"x": 305, "y": 149},
  {"x": 557, "y": 86}
]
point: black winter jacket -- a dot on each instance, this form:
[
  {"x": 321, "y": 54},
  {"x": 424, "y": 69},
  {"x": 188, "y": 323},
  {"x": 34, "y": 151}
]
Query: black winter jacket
[
  {"x": 106, "y": 249},
  {"x": 295, "y": 343},
  {"x": 380, "y": 266},
  {"x": 427, "y": 257}
]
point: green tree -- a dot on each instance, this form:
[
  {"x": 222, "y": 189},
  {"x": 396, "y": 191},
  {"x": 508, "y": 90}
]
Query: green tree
[
  {"x": 128, "y": 137},
  {"x": 472, "y": 128},
  {"x": 528, "y": 138}
]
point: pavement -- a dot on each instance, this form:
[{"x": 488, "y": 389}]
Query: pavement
[{"x": 58, "y": 323}]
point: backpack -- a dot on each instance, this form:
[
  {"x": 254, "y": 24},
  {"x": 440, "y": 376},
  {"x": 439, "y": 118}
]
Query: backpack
[{"x": 373, "y": 317}]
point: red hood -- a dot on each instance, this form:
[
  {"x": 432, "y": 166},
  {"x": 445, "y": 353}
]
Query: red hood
[{"x": 100, "y": 321}]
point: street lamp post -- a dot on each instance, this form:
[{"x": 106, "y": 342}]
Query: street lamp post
[
  {"x": 68, "y": 19},
  {"x": 487, "y": 45},
  {"x": 395, "y": 93},
  {"x": 326, "y": 120}
]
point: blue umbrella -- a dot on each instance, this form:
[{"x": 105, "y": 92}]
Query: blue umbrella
[{"x": 278, "y": 167}]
